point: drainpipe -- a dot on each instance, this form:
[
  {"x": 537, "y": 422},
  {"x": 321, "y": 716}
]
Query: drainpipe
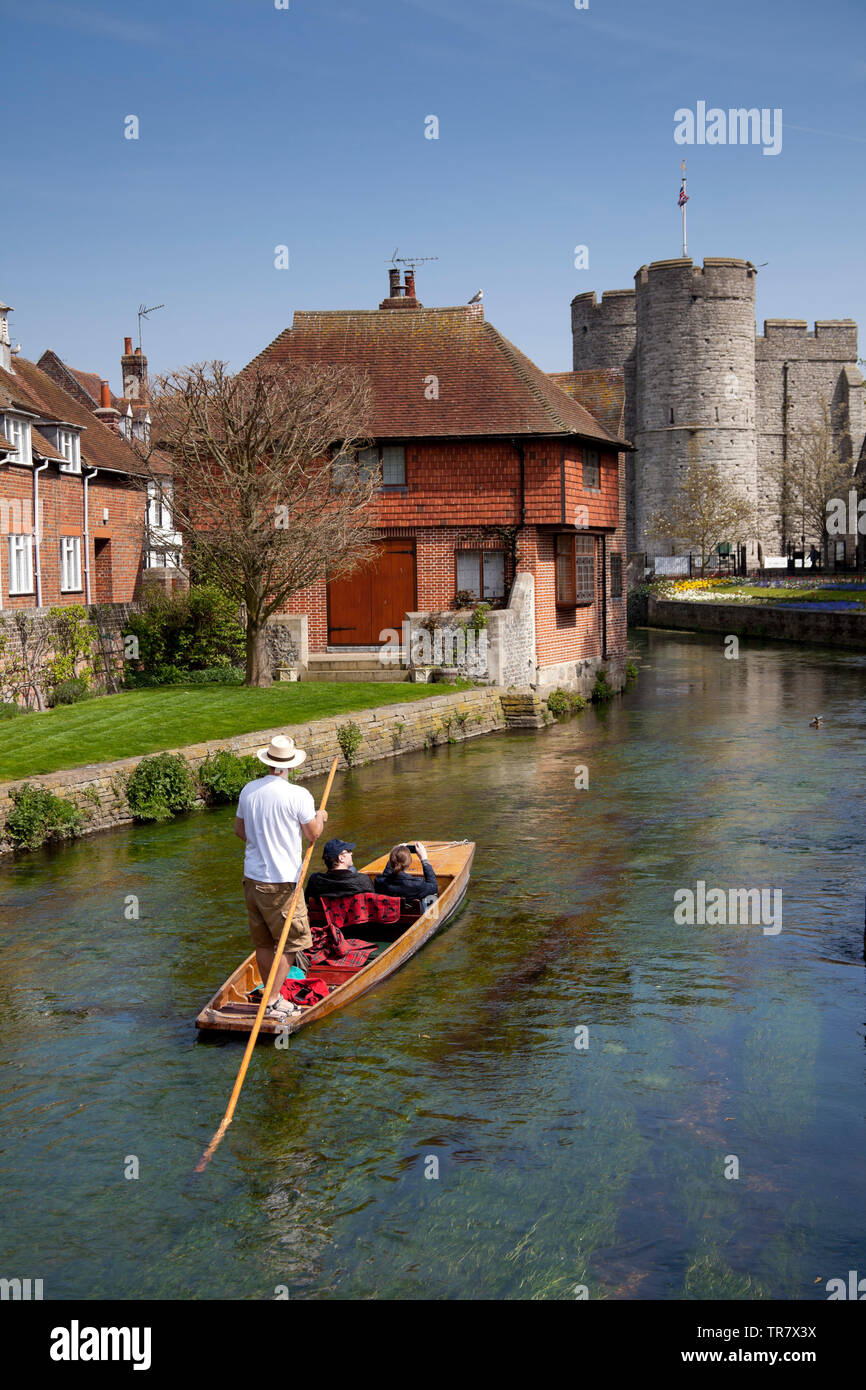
[
  {"x": 87, "y": 478},
  {"x": 37, "y": 528},
  {"x": 604, "y": 598}
]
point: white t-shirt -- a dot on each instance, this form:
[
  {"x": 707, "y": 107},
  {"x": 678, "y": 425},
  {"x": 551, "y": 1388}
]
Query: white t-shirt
[{"x": 273, "y": 811}]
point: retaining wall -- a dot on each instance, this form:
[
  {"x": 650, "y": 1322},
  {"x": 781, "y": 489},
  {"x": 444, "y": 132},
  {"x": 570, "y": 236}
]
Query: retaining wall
[
  {"x": 777, "y": 624},
  {"x": 99, "y": 789}
]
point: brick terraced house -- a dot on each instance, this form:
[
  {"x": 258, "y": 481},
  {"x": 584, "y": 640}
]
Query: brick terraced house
[
  {"x": 65, "y": 458},
  {"x": 497, "y": 484}
]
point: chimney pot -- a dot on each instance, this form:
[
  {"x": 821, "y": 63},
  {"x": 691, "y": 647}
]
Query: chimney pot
[
  {"x": 127, "y": 347},
  {"x": 410, "y": 284},
  {"x": 105, "y": 395},
  {"x": 394, "y": 282}
]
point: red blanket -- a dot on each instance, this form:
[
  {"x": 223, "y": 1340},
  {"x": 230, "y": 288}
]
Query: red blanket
[{"x": 330, "y": 946}]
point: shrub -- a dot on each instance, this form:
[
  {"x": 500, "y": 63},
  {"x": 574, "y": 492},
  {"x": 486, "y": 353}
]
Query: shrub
[
  {"x": 70, "y": 691},
  {"x": 9, "y": 709},
  {"x": 349, "y": 737},
  {"x": 563, "y": 702},
  {"x": 39, "y": 817},
  {"x": 557, "y": 703},
  {"x": 602, "y": 690},
  {"x": 160, "y": 787},
  {"x": 463, "y": 598},
  {"x": 478, "y": 621},
  {"x": 173, "y": 675},
  {"x": 223, "y": 774},
  {"x": 192, "y": 631},
  {"x": 630, "y": 672}
]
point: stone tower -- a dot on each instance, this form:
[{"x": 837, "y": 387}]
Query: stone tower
[
  {"x": 694, "y": 382},
  {"x": 699, "y": 384}
]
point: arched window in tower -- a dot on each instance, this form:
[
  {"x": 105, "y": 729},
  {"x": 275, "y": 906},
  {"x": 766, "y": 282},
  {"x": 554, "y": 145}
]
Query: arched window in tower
[{"x": 672, "y": 415}]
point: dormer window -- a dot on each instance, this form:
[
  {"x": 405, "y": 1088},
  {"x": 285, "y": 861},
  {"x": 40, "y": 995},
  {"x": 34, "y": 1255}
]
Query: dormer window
[
  {"x": 17, "y": 431},
  {"x": 68, "y": 444}
]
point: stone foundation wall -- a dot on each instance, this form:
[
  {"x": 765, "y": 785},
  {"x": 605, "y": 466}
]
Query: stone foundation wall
[{"x": 99, "y": 790}]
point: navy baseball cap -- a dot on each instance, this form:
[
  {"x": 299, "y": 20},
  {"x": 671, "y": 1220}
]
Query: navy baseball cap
[{"x": 334, "y": 848}]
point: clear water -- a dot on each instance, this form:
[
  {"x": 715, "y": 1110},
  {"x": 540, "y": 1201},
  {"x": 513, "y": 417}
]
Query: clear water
[{"x": 557, "y": 1166}]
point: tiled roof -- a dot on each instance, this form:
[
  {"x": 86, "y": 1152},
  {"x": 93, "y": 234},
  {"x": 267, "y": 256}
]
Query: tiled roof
[
  {"x": 486, "y": 386},
  {"x": 5, "y": 444},
  {"x": 40, "y": 445},
  {"x": 601, "y": 391},
  {"x": 31, "y": 389}
]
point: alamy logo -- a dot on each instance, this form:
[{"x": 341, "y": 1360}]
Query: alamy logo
[
  {"x": 738, "y": 907},
  {"x": 441, "y": 646},
  {"x": 737, "y": 126},
  {"x": 20, "y": 1289},
  {"x": 850, "y": 520},
  {"x": 856, "y": 1288},
  {"x": 76, "y": 1343}
]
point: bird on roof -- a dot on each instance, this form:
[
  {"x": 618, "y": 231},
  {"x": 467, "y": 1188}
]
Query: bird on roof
[
  {"x": 816, "y": 722},
  {"x": 477, "y": 298}
]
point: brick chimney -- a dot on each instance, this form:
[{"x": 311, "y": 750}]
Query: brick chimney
[
  {"x": 133, "y": 367},
  {"x": 105, "y": 411},
  {"x": 400, "y": 296}
]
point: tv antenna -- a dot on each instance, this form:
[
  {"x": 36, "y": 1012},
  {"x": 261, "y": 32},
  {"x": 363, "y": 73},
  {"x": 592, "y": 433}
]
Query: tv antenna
[
  {"x": 142, "y": 314},
  {"x": 411, "y": 261}
]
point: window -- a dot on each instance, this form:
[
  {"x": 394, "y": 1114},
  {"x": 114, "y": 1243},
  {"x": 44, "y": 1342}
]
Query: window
[
  {"x": 566, "y": 595},
  {"x": 69, "y": 446},
  {"x": 481, "y": 573},
  {"x": 159, "y": 505},
  {"x": 17, "y": 431},
  {"x": 616, "y": 576},
  {"x": 393, "y": 465},
  {"x": 21, "y": 564},
  {"x": 591, "y": 468},
  {"x": 70, "y": 564},
  {"x": 585, "y": 568},
  {"x": 389, "y": 458}
]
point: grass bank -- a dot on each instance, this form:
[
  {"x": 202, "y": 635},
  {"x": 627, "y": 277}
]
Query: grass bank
[{"x": 146, "y": 721}]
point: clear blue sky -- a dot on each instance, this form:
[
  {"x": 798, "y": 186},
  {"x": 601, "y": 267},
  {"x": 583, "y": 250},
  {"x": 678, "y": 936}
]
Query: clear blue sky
[{"x": 305, "y": 127}]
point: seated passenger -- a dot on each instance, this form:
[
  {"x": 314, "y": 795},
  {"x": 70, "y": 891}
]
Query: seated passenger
[
  {"x": 341, "y": 878},
  {"x": 397, "y": 883}
]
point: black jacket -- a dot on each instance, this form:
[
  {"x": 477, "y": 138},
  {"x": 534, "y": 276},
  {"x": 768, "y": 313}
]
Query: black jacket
[
  {"x": 403, "y": 885},
  {"x": 338, "y": 883}
]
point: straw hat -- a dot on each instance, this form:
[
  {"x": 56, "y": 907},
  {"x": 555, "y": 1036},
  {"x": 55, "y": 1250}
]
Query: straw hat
[{"x": 281, "y": 752}]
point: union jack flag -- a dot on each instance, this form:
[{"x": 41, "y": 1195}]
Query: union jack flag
[{"x": 683, "y": 198}]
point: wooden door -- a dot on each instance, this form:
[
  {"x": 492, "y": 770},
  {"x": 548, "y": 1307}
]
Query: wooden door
[{"x": 370, "y": 600}]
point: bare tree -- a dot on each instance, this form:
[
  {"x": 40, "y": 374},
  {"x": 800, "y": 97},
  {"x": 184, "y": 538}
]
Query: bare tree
[
  {"x": 820, "y": 471},
  {"x": 708, "y": 509},
  {"x": 267, "y": 488}
]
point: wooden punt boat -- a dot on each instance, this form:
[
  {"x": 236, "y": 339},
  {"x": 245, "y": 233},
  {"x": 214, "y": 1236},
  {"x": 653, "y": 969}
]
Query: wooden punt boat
[{"x": 229, "y": 1010}]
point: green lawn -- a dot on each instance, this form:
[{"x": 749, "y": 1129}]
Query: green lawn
[{"x": 146, "y": 721}]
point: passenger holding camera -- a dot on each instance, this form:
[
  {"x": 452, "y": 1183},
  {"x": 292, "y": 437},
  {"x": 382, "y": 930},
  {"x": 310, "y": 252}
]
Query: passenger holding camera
[{"x": 396, "y": 882}]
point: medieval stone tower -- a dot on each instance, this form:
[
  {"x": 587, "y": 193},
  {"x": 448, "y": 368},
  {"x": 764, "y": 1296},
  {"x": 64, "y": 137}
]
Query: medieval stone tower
[{"x": 699, "y": 385}]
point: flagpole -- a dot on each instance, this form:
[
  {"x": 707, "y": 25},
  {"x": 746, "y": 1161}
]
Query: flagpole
[{"x": 683, "y": 201}]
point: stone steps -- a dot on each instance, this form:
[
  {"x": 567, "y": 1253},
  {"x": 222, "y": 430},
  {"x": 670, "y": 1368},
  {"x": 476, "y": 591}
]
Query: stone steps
[
  {"x": 351, "y": 666},
  {"x": 524, "y": 710}
]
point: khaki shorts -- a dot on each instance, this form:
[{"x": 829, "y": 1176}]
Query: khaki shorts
[{"x": 267, "y": 909}]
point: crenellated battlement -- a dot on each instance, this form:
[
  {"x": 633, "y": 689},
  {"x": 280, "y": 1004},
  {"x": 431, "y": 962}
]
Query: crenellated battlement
[{"x": 830, "y": 340}]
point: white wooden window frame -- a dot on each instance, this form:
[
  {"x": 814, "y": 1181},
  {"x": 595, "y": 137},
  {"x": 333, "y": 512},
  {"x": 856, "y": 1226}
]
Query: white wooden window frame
[
  {"x": 70, "y": 564},
  {"x": 68, "y": 444},
  {"x": 20, "y": 564},
  {"x": 17, "y": 431}
]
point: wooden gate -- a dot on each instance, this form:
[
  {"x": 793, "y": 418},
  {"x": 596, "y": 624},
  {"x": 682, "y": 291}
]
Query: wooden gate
[{"x": 377, "y": 597}]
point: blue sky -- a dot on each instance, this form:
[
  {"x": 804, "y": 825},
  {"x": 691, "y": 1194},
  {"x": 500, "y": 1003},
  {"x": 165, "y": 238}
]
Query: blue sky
[{"x": 305, "y": 127}]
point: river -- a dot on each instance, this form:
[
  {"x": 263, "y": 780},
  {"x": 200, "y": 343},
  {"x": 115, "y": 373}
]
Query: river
[{"x": 456, "y": 1134}]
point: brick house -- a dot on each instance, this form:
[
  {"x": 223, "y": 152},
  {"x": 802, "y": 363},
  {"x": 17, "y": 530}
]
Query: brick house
[
  {"x": 65, "y": 460},
  {"x": 496, "y": 484}
]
